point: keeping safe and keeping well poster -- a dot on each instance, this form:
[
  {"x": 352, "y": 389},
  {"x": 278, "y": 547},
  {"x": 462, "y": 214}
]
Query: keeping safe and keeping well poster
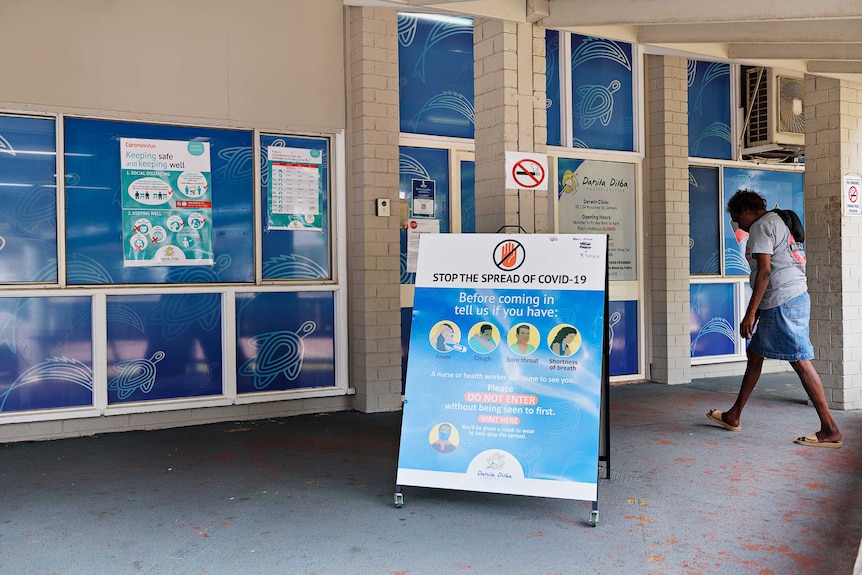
[
  {"x": 504, "y": 373},
  {"x": 167, "y": 202}
]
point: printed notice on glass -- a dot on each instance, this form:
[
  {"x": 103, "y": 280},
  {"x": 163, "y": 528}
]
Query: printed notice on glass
[
  {"x": 295, "y": 191},
  {"x": 166, "y": 202},
  {"x": 597, "y": 197},
  {"x": 416, "y": 228},
  {"x": 424, "y": 192}
]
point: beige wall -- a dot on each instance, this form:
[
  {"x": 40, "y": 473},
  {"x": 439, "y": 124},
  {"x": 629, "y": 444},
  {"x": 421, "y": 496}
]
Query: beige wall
[{"x": 252, "y": 63}]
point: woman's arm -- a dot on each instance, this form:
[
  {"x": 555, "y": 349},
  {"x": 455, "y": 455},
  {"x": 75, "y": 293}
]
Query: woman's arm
[{"x": 761, "y": 282}]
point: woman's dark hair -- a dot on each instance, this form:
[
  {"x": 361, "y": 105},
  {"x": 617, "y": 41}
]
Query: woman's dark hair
[
  {"x": 746, "y": 201},
  {"x": 563, "y": 334}
]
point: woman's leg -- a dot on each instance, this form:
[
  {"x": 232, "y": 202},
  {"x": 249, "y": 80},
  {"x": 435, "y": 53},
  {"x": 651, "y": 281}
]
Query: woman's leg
[
  {"x": 752, "y": 374},
  {"x": 814, "y": 388}
]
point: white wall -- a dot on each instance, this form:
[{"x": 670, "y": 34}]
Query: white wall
[{"x": 248, "y": 63}]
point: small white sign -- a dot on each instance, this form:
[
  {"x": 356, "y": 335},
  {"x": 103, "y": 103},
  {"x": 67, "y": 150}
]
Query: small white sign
[
  {"x": 852, "y": 202},
  {"x": 526, "y": 171},
  {"x": 415, "y": 228}
]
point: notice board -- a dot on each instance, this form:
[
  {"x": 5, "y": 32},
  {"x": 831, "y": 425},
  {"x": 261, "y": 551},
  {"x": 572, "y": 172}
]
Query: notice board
[{"x": 505, "y": 372}]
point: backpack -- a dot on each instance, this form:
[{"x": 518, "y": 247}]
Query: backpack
[
  {"x": 797, "y": 234},
  {"x": 793, "y": 223}
]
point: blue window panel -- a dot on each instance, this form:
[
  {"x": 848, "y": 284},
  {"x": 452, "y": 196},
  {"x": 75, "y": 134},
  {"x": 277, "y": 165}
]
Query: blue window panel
[
  {"x": 602, "y": 94},
  {"x": 94, "y": 233},
  {"x": 712, "y": 320},
  {"x": 703, "y": 214},
  {"x": 423, "y": 164},
  {"x": 291, "y": 254},
  {"x": 552, "y": 87},
  {"x": 709, "y": 133},
  {"x": 780, "y": 189},
  {"x": 435, "y": 69},
  {"x": 46, "y": 354},
  {"x": 28, "y": 200},
  {"x": 468, "y": 197},
  {"x": 623, "y": 328},
  {"x": 285, "y": 341},
  {"x": 164, "y": 347},
  {"x": 406, "y": 322}
]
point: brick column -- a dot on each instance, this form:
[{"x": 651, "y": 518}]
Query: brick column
[
  {"x": 509, "y": 72},
  {"x": 373, "y": 254},
  {"x": 667, "y": 217},
  {"x": 833, "y": 130}
]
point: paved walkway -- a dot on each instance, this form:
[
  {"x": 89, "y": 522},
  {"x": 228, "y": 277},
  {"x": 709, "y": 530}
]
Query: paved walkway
[{"x": 313, "y": 495}]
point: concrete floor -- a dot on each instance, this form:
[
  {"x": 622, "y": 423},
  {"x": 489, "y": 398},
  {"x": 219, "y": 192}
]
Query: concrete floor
[{"x": 314, "y": 495}]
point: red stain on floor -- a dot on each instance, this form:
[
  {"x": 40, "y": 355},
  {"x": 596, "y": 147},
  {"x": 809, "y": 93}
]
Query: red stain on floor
[
  {"x": 804, "y": 559},
  {"x": 816, "y": 486},
  {"x": 642, "y": 518},
  {"x": 762, "y": 547}
]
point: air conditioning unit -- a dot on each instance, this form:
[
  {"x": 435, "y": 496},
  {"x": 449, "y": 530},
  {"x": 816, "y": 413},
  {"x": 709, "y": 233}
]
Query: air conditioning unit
[{"x": 775, "y": 121}]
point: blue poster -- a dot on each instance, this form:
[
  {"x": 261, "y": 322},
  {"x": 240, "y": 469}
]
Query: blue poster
[
  {"x": 165, "y": 346},
  {"x": 28, "y": 200},
  {"x": 96, "y": 247},
  {"x": 780, "y": 189},
  {"x": 602, "y": 94},
  {"x": 289, "y": 252},
  {"x": 435, "y": 75},
  {"x": 505, "y": 367}
]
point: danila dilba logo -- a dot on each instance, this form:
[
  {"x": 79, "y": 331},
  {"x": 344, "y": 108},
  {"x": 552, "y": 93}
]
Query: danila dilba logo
[{"x": 509, "y": 255}]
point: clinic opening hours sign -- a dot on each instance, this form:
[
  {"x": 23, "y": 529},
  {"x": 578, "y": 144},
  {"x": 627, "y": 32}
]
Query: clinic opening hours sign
[
  {"x": 598, "y": 197},
  {"x": 504, "y": 374},
  {"x": 166, "y": 202}
]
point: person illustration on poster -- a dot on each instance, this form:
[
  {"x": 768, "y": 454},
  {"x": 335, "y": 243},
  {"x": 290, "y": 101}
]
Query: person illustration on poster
[
  {"x": 445, "y": 334},
  {"x": 482, "y": 341},
  {"x": 566, "y": 341},
  {"x": 443, "y": 438},
  {"x": 522, "y": 341},
  {"x": 445, "y": 337}
]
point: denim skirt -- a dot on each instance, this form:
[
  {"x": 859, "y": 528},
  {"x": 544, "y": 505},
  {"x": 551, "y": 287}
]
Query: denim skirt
[{"x": 782, "y": 332}]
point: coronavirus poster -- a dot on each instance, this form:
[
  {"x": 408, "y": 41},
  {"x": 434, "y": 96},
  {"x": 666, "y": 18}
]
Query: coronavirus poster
[
  {"x": 166, "y": 202},
  {"x": 504, "y": 373},
  {"x": 295, "y": 189}
]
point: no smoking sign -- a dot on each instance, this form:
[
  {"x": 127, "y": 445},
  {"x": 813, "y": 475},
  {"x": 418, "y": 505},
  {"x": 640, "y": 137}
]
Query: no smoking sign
[
  {"x": 852, "y": 204},
  {"x": 526, "y": 171}
]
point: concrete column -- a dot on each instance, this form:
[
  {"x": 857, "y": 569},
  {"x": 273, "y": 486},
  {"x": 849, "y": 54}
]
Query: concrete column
[
  {"x": 373, "y": 254},
  {"x": 667, "y": 217},
  {"x": 509, "y": 72},
  {"x": 833, "y": 132}
]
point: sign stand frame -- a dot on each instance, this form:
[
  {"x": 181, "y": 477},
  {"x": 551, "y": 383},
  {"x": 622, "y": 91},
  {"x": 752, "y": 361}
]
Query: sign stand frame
[
  {"x": 604, "y": 421},
  {"x": 604, "y": 402}
]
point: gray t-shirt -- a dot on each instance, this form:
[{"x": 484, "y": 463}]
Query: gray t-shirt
[{"x": 769, "y": 235}]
